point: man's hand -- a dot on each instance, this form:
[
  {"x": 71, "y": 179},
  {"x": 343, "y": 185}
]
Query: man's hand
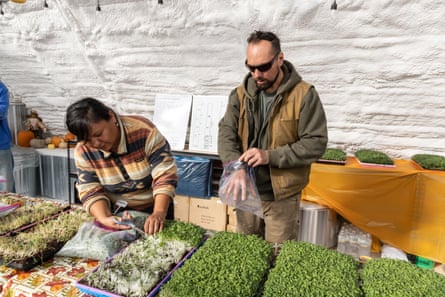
[
  {"x": 255, "y": 157},
  {"x": 236, "y": 185}
]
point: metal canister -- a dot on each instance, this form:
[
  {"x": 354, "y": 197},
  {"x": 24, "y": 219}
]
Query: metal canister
[
  {"x": 318, "y": 224},
  {"x": 16, "y": 116}
]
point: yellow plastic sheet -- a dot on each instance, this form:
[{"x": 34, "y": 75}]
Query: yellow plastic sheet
[{"x": 403, "y": 205}]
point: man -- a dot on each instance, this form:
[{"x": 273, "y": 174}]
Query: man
[
  {"x": 6, "y": 159},
  {"x": 275, "y": 123}
]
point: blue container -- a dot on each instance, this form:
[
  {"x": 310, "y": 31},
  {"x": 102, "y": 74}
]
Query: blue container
[{"x": 194, "y": 176}]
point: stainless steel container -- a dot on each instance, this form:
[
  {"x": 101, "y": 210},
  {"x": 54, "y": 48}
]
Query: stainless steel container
[
  {"x": 318, "y": 224},
  {"x": 54, "y": 182},
  {"x": 16, "y": 117},
  {"x": 26, "y": 171}
]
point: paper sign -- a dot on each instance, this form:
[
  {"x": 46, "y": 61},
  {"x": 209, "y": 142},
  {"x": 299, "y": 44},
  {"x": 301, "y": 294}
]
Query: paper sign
[
  {"x": 171, "y": 116},
  {"x": 206, "y": 113}
]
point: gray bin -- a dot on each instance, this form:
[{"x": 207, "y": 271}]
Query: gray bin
[
  {"x": 54, "y": 179},
  {"x": 318, "y": 224},
  {"x": 16, "y": 118},
  {"x": 26, "y": 171}
]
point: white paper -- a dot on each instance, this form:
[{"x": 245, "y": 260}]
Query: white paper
[
  {"x": 206, "y": 113},
  {"x": 171, "y": 116}
]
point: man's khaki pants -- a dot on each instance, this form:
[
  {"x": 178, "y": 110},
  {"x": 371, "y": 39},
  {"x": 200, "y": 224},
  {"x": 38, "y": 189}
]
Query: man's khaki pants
[{"x": 281, "y": 220}]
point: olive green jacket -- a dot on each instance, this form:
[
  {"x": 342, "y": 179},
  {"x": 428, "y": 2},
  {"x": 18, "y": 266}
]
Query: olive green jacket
[{"x": 294, "y": 133}]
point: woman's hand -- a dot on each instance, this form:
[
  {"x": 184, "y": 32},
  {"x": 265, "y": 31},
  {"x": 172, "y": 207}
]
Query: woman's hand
[
  {"x": 103, "y": 215},
  {"x": 155, "y": 222},
  {"x": 110, "y": 221}
]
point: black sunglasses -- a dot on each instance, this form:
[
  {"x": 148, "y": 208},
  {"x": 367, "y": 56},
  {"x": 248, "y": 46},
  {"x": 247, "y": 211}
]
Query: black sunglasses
[{"x": 263, "y": 67}]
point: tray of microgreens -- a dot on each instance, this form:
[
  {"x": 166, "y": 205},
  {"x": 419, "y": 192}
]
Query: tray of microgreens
[
  {"x": 30, "y": 212},
  {"x": 429, "y": 161},
  {"x": 141, "y": 268},
  {"x": 333, "y": 156},
  {"x": 373, "y": 158},
  {"x": 32, "y": 246},
  {"x": 227, "y": 264},
  {"x": 306, "y": 269}
]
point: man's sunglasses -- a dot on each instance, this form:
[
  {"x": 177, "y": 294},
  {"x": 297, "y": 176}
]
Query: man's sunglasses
[{"x": 263, "y": 67}]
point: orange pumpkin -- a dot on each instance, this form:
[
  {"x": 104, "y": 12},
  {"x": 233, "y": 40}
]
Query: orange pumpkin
[
  {"x": 69, "y": 137},
  {"x": 56, "y": 140},
  {"x": 24, "y": 138}
]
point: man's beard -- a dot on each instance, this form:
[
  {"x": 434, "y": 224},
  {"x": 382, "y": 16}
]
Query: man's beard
[{"x": 269, "y": 83}]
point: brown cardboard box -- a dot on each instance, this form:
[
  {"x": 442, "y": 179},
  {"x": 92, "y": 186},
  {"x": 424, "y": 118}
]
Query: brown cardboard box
[
  {"x": 231, "y": 215},
  {"x": 211, "y": 214},
  {"x": 231, "y": 228},
  {"x": 181, "y": 205}
]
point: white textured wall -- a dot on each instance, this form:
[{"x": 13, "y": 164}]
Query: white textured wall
[{"x": 378, "y": 65}]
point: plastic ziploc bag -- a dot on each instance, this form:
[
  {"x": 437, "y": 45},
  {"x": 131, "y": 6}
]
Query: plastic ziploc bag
[
  {"x": 238, "y": 189},
  {"x": 95, "y": 241}
]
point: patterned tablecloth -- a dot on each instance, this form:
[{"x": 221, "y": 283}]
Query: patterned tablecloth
[{"x": 55, "y": 277}]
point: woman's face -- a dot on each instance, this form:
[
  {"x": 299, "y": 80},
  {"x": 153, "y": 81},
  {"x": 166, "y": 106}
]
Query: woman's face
[{"x": 104, "y": 135}]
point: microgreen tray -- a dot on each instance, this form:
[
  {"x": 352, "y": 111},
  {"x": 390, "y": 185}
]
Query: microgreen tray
[{"x": 153, "y": 292}]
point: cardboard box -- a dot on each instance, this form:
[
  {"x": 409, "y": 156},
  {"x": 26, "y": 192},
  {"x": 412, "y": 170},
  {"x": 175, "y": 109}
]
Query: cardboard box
[
  {"x": 231, "y": 215},
  {"x": 231, "y": 228},
  {"x": 181, "y": 205},
  {"x": 210, "y": 214}
]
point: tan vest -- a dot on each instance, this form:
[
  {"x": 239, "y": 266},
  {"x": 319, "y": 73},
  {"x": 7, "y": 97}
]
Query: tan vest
[{"x": 283, "y": 130}]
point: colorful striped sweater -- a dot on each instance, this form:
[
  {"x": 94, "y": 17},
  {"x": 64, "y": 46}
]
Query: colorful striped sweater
[{"x": 142, "y": 167}]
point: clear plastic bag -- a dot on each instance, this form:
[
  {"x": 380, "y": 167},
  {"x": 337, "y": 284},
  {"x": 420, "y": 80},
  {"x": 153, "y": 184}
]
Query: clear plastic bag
[
  {"x": 94, "y": 241},
  {"x": 237, "y": 188}
]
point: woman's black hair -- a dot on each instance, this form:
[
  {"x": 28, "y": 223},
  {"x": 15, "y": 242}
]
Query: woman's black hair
[{"x": 84, "y": 112}]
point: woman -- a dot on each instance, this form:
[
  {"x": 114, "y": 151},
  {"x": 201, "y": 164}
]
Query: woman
[{"x": 121, "y": 157}]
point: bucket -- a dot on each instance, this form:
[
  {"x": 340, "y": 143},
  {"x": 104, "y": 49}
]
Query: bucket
[
  {"x": 16, "y": 117},
  {"x": 26, "y": 171},
  {"x": 318, "y": 224}
]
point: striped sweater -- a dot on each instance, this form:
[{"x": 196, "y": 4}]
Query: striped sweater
[{"x": 142, "y": 167}]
